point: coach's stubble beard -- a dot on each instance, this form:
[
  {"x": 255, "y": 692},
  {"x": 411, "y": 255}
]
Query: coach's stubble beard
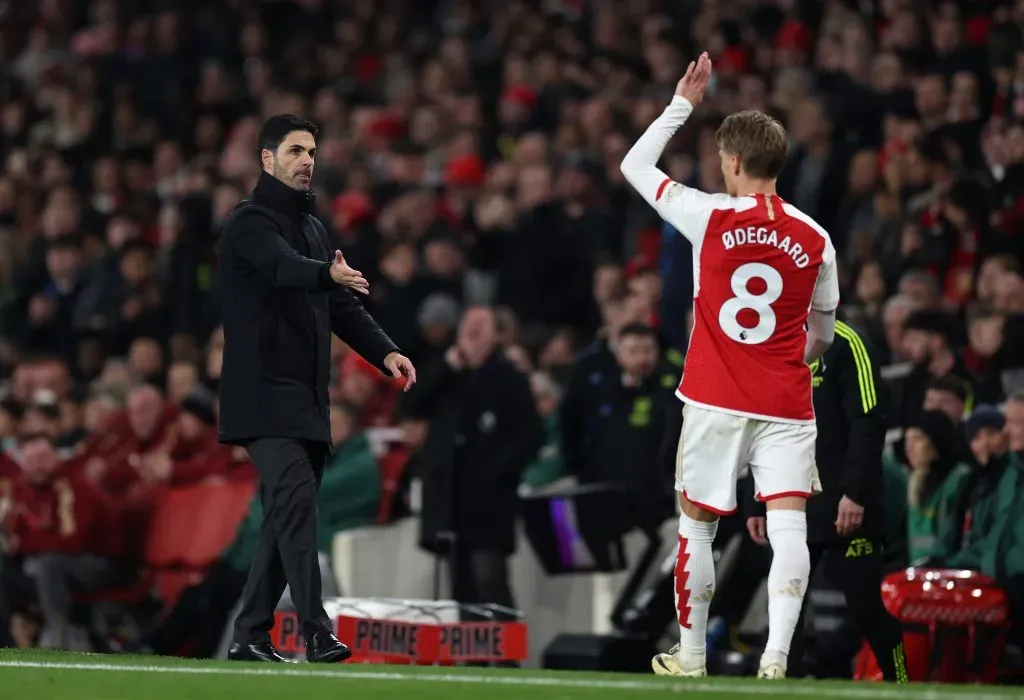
[{"x": 294, "y": 180}]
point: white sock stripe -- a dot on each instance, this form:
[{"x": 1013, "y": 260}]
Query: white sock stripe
[{"x": 697, "y": 530}]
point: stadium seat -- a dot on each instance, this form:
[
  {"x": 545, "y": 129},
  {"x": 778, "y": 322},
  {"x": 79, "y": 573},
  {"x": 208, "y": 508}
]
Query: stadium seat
[
  {"x": 220, "y": 510},
  {"x": 954, "y": 622},
  {"x": 189, "y": 528},
  {"x": 172, "y": 529}
]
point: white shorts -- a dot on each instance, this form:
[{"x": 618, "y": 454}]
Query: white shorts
[{"x": 714, "y": 447}]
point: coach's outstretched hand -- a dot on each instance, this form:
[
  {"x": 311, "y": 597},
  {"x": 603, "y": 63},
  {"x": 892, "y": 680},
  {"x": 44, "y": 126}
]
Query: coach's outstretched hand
[
  {"x": 695, "y": 82},
  {"x": 342, "y": 273},
  {"x": 401, "y": 366}
]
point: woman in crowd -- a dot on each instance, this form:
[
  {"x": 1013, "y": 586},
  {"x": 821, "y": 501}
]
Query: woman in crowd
[{"x": 936, "y": 477}]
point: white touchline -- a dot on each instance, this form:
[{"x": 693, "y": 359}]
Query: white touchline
[{"x": 867, "y": 691}]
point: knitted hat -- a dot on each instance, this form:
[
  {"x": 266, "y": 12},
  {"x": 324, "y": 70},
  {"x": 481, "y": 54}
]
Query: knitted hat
[
  {"x": 984, "y": 416},
  {"x": 438, "y": 309},
  {"x": 465, "y": 171},
  {"x": 521, "y": 94},
  {"x": 939, "y": 429}
]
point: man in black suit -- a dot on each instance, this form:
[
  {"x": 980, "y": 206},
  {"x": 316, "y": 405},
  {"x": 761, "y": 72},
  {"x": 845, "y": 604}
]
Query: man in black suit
[{"x": 283, "y": 293}]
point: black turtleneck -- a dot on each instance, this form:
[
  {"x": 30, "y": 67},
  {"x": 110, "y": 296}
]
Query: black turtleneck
[
  {"x": 294, "y": 204},
  {"x": 273, "y": 193}
]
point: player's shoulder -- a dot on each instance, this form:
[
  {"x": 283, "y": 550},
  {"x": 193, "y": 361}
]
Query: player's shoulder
[
  {"x": 805, "y": 220},
  {"x": 801, "y": 217},
  {"x": 672, "y": 192}
]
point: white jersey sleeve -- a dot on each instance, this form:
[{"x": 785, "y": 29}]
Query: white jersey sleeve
[
  {"x": 826, "y": 289},
  {"x": 687, "y": 209}
]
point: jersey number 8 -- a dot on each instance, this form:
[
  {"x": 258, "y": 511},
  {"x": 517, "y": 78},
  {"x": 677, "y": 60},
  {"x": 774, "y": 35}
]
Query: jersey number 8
[{"x": 760, "y": 304}]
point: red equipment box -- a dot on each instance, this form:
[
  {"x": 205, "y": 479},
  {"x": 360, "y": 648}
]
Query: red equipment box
[
  {"x": 395, "y": 641},
  {"x": 954, "y": 625}
]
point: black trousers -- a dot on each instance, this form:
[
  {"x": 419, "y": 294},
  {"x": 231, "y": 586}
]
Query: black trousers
[
  {"x": 854, "y": 566},
  {"x": 286, "y": 552},
  {"x": 15, "y": 587},
  {"x": 480, "y": 576}
]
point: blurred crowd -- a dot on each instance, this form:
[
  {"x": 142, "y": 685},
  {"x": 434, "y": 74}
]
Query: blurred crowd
[{"x": 469, "y": 155}]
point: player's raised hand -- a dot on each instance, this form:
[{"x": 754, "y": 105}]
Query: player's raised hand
[
  {"x": 695, "y": 82},
  {"x": 342, "y": 273}
]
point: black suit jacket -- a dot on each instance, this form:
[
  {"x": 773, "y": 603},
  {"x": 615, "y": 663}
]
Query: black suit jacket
[{"x": 279, "y": 307}]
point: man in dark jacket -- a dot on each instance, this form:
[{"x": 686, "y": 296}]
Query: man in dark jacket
[
  {"x": 846, "y": 521},
  {"x": 594, "y": 370},
  {"x": 484, "y": 430},
  {"x": 630, "y": 423},
  {"x": 282, "y": 296},
  {"x": 989, "y": 499}
]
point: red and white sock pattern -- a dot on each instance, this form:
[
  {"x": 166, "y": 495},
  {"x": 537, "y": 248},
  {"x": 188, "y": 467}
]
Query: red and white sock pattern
[{"x": 695, "y": 587}]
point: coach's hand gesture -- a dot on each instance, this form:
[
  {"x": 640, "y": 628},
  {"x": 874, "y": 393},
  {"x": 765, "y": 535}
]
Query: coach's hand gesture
[
  {"x": 695, "y": 82},
  {"x": 342, "y": 273},
  {"x": 401, "y": 366}
]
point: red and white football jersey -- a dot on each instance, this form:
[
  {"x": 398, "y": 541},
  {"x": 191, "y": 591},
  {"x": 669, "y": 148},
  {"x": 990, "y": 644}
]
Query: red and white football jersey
[{"x": 759, "y": 265}]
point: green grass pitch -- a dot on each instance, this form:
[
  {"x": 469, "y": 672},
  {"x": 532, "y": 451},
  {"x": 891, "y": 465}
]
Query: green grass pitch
[{"x": 38, "y": 675}]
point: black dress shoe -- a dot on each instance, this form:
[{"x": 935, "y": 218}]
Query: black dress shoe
[
  {"x": 254, "y": 652},
  {"x": 324, "y": 648}
]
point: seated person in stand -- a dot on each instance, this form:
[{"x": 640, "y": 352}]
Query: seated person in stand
[
  {"x": 935, "y": 480},
  {"x": 64, "y": 534},
  {"x": 988, "y": 500}
]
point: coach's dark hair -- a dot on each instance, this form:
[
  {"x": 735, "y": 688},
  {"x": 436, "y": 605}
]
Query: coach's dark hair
[
  {"x": 641, "y": 330},
  {"x": 277, "y": 127}
]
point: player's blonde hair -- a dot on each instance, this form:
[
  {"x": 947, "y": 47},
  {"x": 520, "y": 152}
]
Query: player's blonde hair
[{"x": 759, "y": 141}]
